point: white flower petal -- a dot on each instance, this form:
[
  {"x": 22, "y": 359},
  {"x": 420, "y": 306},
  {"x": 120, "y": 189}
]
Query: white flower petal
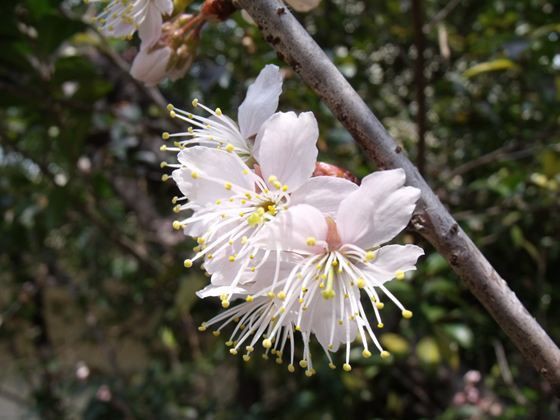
[
  {"x": 324, "y": 193},
  {"x": 291, "y": 230},
  {"x": 149, "y": 30},
  {"x": 150, "y": 67},
  {"x": 212, "y": 168},
  {"x": 391, "y": 259},
  {"x": 286, "y": 147},
  {"x": 212, "y": 290},
  {"x": 378, "y": 210},
  {"x": 303, "y": 5},
  {"x": 261, "y": 100},
  {"x": 165, "y": 7}
]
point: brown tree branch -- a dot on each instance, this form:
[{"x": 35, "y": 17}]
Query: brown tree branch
[{"x": 296, "y": 47}]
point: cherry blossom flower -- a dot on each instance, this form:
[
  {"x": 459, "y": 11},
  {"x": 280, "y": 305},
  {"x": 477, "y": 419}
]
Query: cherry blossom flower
[
  {"x": 231, "y": 203},
  {"x": 220, "y": 131},
  {"x": 326, "y": 260},
  {"x": 341, "y": 256},
  {"x": 121, "y": 18},
  {"x": 153, "y": 65}
]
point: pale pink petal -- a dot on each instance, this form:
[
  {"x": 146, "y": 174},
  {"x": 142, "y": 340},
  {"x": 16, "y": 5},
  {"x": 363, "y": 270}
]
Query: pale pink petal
[
  {"x": 303, "y": 5},
  {"x": 324, "y": 193},
  {"x": 149, "y": 30},
  {"x": 301, "y": 228},
  {"x": 150, "y": 67},
  {"x": 261, "y": 101},
  {"x": 391, "y": 259},
  {"x": 212, "y": 290},
  {"x": 378, "y": 210},
  {"x": 165, "y": 7},
  {"x": 286, "y": 148},
  {"x": 212, "y": 169}
]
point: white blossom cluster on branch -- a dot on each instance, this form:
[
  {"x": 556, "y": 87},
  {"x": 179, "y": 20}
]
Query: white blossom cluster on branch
[
  {"x": 169, "y": 36},
  {"x": 289, "y": 255}
]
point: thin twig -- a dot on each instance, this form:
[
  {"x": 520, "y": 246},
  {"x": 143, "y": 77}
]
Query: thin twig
[{"x": 296, "y": 47}]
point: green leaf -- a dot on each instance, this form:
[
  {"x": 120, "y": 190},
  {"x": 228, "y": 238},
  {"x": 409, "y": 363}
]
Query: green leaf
[
  {"x": 495, "y": 65},
  {"x": 427, "y": 351},
  {"x": 394, "y": 343}
]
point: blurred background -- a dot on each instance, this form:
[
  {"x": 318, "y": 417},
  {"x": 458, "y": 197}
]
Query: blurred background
[{"x": 98, "y": 317}]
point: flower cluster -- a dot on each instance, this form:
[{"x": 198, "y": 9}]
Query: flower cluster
[
  {"x": 301, "y": 255},
  {"x": 169, "y": 37}
]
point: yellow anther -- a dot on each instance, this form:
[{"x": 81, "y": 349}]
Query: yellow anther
[
  {"x": 309, "y": 373},
  {"x": 267, "y": 343},
  {"x": 291, "y": 368},
  {"x": 172, "y": 114},
  {"x": 407, "y": 314},
  {"x": 219, "y": 112},
  {"x": 278, "y": 361},
  {"x": 332, "y": 365},
  {"x": 380, "y": 325},
  {"x": 370, "y": 256},
  {"x": 200, "y": 240},
  {"x": 188, "y": 263},
  {"x": 190, "y": 130},
  {"x": 164, "y": 177},
  {"x": 233, "y": 351},
  {"x": 163, "y": 164},
  {"x": 163, "y": 148},
  {"x": 245, "y": 171},
  {"x": 230, "y": 148},
  {"x": 165, "y": 135},
  {"x": 272, "y": 179},
  {"x": 281, "y": 295},
  {"x": 328, "y": 294},
  {"x": 229, "y": 343},
  {"x": 246, "y": 357},
  {"x": 303, "y": 363},
  {"x": 334, "y": 263},
  {"x": 249, "y": 298},
  {"x": 249, "y": 349},
  {"x": 272, "y": 209},
  {"x": 399, "y": 275},
  {"x": 271, "y": 295},
  {"x": 231, "y": 258},
  {"x": 177, "y": 225},
  {"x": 385, "y": 354},
  {"x": 361, "y": 283},
  {"x": 380, "y": 305},
  {"x": 311, "y": 241},
  {"x": 284, "y": 188},
  {"x": 218, "y": 202},
  {"x": 225, "y": 303},
  {"x": 195, "y": 102},
  {"x": 346, "y": 367},
  {"x": 297, "y": 328},
  {"x": 244, "y": 240},
  {"x": 195, "y": 175},
  {"x": 248, "y": 195},
  {"x": 216, "y": 333},
  {"x": 202, "y": 327},
  {"x": 277, "y": 184},
  {"x": 366, "y": 353},
  {"x": 174, "y": 200},
  {"x": 177, "y": 208},
  {"x": 254, "y": 219},
  {"x": 252, "y": 269},
  {"x": 227, "y": 185},
  {"x": 170, "y": 107}
]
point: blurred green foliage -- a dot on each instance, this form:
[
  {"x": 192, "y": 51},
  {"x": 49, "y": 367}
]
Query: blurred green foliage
[{"x": 97, "y": 316}]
